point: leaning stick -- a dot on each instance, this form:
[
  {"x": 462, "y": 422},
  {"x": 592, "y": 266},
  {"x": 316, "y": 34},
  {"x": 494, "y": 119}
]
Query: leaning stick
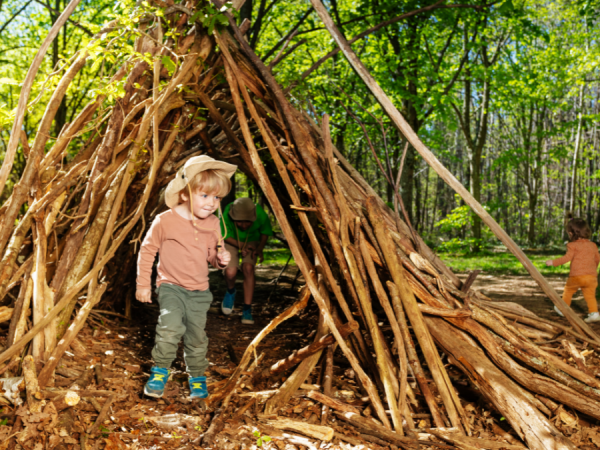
[
  {"x": 445, "y": 174},
  {"x": 365, "y": 299},
  {"x": 295, "y": 247},
  {"x": 453, "y": 406},
  {"x": 413, "y": 359},
  {"x": 305, "y": 352},
  {"x": 34, "y": 396},
  {"x": 67, "y": 339},
  {"x": 13, "y": 142},
  {"x": 332, "y": 282},
  {"x": 246, "y": 358}
]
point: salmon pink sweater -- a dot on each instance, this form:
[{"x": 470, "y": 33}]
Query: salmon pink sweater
[
  {"x": 184, "y": 251},
  {"x": 584, "y": 258}
]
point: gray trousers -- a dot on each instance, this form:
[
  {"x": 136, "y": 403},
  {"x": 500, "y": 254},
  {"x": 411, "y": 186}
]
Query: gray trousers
[{"x": 182, "y": 313}]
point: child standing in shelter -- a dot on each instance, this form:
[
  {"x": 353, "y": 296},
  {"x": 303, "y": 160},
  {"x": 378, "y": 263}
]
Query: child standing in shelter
[
  {"x": 187, "y": 237},
  {"x": 584, "y": 258}
]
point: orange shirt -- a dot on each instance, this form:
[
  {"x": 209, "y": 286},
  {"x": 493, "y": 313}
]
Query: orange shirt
[
  {"x": 584, "y": 258},
  {"x": 184, "y": 251}
]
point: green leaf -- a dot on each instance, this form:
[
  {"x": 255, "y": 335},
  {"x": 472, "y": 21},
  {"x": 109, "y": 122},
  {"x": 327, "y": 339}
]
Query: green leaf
[{"x": 168, "y": 63}]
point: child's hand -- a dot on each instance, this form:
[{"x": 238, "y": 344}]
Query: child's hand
[
  {"x": 143, "y": 295},
  {"x": 549, "y": 263},
  {"x": 224, "y": 257}
]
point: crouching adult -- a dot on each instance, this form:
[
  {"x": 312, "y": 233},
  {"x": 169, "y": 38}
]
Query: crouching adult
[{"x": 246, "y": 228}]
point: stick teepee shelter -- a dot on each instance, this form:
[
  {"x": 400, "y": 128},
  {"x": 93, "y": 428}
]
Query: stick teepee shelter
[{"x": 86, "y": 214}]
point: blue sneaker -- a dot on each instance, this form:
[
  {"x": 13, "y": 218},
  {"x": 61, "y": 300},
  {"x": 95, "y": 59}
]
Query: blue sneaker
[
  {"x": 198, "y": 387},
  {"x": 155, "y": 387},
  {"x": 227, "y": 305},
  {"x": 247, "y": 317}
]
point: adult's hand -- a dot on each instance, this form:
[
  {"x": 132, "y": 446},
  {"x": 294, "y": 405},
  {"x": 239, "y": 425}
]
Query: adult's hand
[{"x": 258, "y": 253}]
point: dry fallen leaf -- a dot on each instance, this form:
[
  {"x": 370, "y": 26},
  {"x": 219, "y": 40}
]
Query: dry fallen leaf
[{"x": 567, "y": 419}]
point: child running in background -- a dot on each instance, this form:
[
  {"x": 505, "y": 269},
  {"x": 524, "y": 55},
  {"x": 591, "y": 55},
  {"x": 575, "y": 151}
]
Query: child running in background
[
  {"x": 584, "y": 258},
  {"x": 187, "y": 237}
]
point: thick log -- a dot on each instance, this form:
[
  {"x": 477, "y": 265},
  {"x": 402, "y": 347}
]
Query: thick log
[
  {"x": 311, "y": 349},
  {"x": 505, "y": 394}
]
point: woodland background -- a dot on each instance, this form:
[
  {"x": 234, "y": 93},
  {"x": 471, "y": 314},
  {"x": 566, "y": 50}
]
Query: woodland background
[{"x": 505, "y": 93}]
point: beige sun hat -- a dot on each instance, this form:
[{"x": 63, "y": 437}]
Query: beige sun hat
[
  {"x": 243, "y": 209},
  {"x": 190, "y": 169}
]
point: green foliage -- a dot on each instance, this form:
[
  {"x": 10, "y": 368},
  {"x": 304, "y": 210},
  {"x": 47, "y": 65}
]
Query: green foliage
[{"x": 261, "y": 438}]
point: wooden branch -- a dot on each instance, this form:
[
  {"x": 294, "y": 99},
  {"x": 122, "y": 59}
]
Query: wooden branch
[
  {"x": 409, "y": 303},
  {"x": 34, "y": 396},
  {"x": 504, "y": 393},
  {"x": 577, "y": 357},
  {"x": 246, "y": 357},
  {"x": 373, "y": 428},
  {"x": 314, "y": 431},
  {"x": 332, "y": 402},
  {"x": 69, "y": 336},
  {"x": 66, "y": 400},
  {"x": 469, "y": 281},
  {"x": 311, "y": 349},
  {"x": 11, "y": 147},
  {"x": 92, "y": 429}
]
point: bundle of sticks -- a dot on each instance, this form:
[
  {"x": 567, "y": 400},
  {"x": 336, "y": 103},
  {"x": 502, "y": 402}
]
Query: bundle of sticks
[{"x": 385, "y": 300}]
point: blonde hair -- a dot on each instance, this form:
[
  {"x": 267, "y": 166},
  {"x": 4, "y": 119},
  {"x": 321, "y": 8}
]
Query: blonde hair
[{"x": 210, "y": 181}]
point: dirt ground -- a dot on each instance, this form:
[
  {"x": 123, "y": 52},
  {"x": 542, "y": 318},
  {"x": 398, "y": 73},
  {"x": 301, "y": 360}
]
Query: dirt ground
[
  {"x": 522, "y": 289},
  {"x": 133, "y": 421}
]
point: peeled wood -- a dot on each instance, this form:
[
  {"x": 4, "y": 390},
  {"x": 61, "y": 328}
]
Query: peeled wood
[
  {"x": 314, "y": 431},
  {"x": 34, "y": 396},
  {"x": 311, "y": 349},
  {"x": 577, "y": 357}
]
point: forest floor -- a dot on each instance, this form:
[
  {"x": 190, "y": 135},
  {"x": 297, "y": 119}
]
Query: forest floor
[
  {"x": 522, "y": 289},
  {"x": 138, "y": 422}
]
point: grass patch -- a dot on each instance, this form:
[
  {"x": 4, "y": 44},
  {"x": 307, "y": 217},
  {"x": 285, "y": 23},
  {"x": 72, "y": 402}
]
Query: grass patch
[
  {"x": 490, "y": 262},
  {"x": 277, "y": 257},
  {"x": 502, "y": 262}
]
